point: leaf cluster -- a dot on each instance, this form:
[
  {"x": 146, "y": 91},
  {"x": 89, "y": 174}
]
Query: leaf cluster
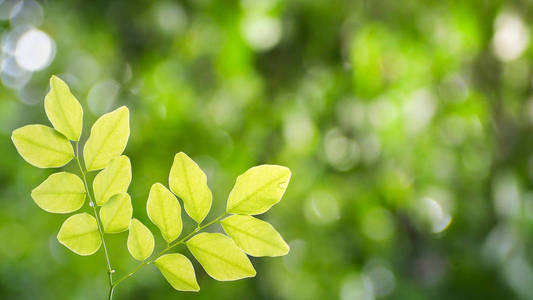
[{"x": 223, "y": 256}]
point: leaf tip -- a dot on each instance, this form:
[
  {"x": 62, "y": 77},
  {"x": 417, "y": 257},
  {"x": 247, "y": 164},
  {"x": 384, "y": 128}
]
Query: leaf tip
[
  {"x": 54, "y": 79},
  {"x": 124, "y": 110}
]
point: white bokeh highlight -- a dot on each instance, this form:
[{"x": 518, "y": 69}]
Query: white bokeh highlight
[{"x": 34, "y": 50}]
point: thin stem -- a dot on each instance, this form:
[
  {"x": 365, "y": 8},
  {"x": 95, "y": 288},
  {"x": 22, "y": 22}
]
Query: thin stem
[
  {"x": 111, "y": 290},
  {"x": 93, "y": 205},
  {"x": 170, "y": 246}
]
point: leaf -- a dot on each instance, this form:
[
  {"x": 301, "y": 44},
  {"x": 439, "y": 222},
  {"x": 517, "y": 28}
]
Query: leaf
[
  {"x": 60, "y": 193},
  {"x": 79, "y": 233},
  {"x": 108, "y": 138},
  {"x": 189, "y": 183},
  {"x": 164, "y": 211},
  {"x": 220, "y": 257},
  {"x": 114, "y": 179},
  {"x": 63, "y": 109},
  {"x": 178, "y": 271},
  {"x": 258, "y": 189},
  {"x": 42, "y": 146},
  {"x": 255, "y": 237},
  {"x": 140, "y": 240},
  {"x": 116, "y": 213}
]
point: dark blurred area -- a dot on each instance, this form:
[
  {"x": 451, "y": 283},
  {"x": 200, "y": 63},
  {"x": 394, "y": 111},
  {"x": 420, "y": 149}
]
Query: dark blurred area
[{"x": 408, "y": 126}]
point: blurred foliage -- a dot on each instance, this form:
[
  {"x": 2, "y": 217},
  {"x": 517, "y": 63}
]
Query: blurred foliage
[{"x": 407, "y": 125}]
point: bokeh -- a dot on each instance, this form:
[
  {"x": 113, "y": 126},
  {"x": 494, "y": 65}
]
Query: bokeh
[{"x": 408, "y": 126}]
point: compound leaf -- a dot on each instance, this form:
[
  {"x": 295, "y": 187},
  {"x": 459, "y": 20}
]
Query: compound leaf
[
  {"x": 114, "y": 179},
  {"x": 140, "y": 240},
  {"x": 220, "y": 257},
  {"x": 108, "y": 138},
  {"x": 60, "y": 193},
  {"x": 178, "y": 271},
  {"x": 255, "y": 237},
  {"x": 79, "y": 233},
  {"x": 63, "y": 109},
  {"x": 42, "y": 146},
  {"x": 116, "y": 213},
  {"x": 164, "y": 211},
  {"x": 189, "y": 183},
  {"x": 258, "y": 189}
]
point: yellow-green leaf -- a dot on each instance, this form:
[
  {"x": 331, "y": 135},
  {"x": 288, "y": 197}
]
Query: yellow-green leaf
[
  {"x": 60, "y": 193},
  {"x": 164, "y": 211},
  {"x": 220, "y": 257},
  {"x": 108, "y": 138},
  {"x": 63, "y": 109},
  {"x": 114, "y": 179},
  {"x": 257, "y": 189},
  {"x": 178, "y": 271},
  {"x": 116, "y": 213},
  {"x": 42, "y": 146},
  {"x": 189, "y": 183},
  {"x": 79, "y": 233},
  {"x": 255, "y": 237},
  {"x": 140, "y": 240}
]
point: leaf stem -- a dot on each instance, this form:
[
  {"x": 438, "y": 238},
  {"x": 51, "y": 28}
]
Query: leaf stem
[
  {"x": 170, "y": 246},
  {"x": 93, "y": 205}
]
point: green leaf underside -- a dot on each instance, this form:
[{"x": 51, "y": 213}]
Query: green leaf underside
[
  {"x": 63, "y": 109},
  {"x": 178, "y": 271},
  {"x": 116, "y": 213},
  {"x": 164, "y": 211},
  {"x": 255, "y": 237},
  {"x": 114, "y": 179},
  {"x": 79, "y": 233},
  {"x": 140, "y": 240},
  {"x": 220, "y": 257},
  {"x": 108, "y": 139},
  {"x": 42, "y": 146},
  {"x": 60, "y": 193},
  {"x": 258, "y": 189},
  {"x": 189, "y": 182}
]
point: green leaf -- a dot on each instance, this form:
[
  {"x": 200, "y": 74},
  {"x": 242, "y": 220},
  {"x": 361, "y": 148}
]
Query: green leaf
[
  {"x": 79, "y": 233},
  {"x": 60, "y": 193},
  {"x": 178, "y": 271},
  {"x": 164, "y": 211},
  {"x": 114, "y": 179},
  {"x": 140, "y": 240},
  {"x": 189, "y": 183},
  {"x": 63, "y": 109},
  {"x": 42, "y": 146},
  {"x": 220, "y": 257},
  {"x": 108, "y": 139},
  {"x": 116, "y": 213},
  {"x": 257, "y": 189},
  {"x": 254, "y": 236}
]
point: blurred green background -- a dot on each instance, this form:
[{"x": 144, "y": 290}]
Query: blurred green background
[{"x": 408, "y": 127}]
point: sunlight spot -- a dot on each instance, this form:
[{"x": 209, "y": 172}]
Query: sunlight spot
[
  {"x": 511, "y": 36},
  {"x": 261, "y": 33},
  {"x": 34, "y": 50},
  {"x": 439, "y": 219}
]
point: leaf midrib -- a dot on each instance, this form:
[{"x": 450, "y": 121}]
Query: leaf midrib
[
  {"x": 63, "y": 112},
  {"x": 44, "y": 146},
  {"x": 247, "y": 197},
  {"x": 167, "y": 270},
  {"x": 115, "y": 213},
  {"x": 78, "y": 235},
  {"x": 106, "y": 140},
  {"x": 107, "y": 187},
  {"x": 190, "y": 196},
  {"x": 221, "y": 258},
  {"x": 253, "y": 236}
]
